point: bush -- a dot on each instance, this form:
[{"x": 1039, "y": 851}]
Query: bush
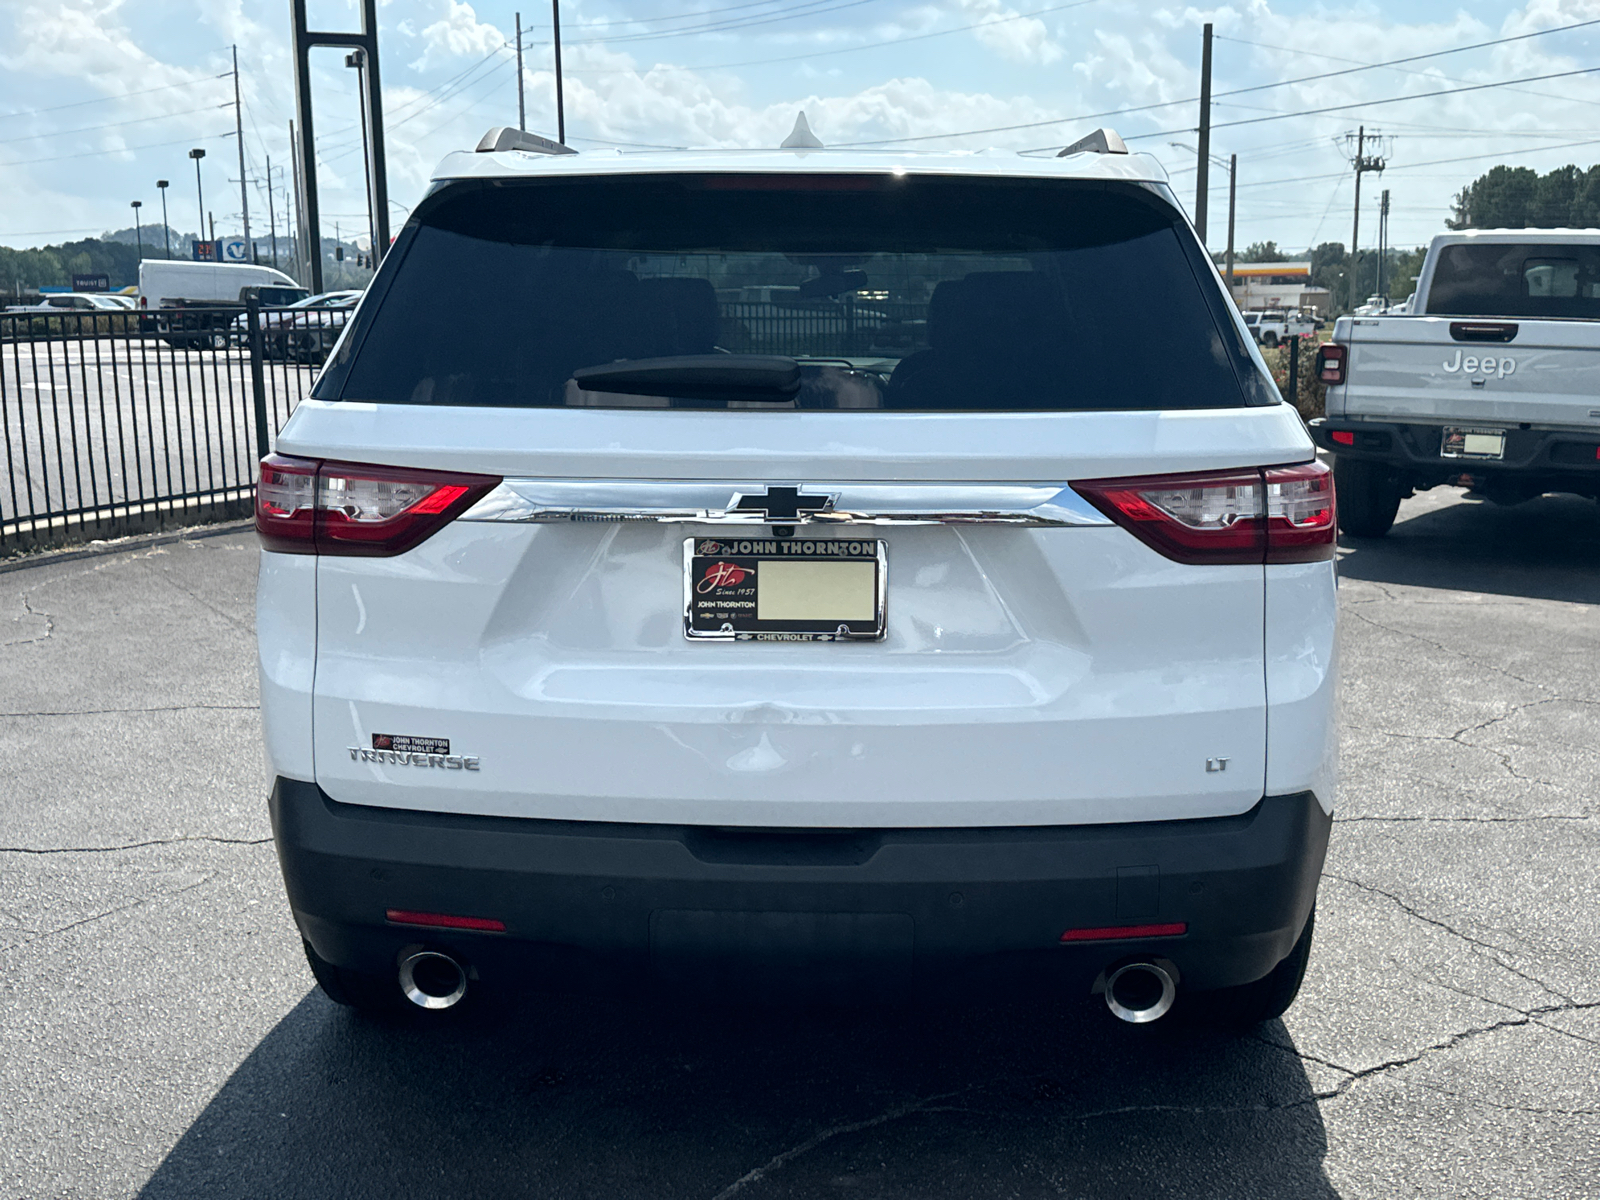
[{"x": 1310, "y": 398}]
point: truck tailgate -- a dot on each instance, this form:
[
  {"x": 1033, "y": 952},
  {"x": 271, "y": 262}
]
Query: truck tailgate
[{"x": 1416, "y": 368}]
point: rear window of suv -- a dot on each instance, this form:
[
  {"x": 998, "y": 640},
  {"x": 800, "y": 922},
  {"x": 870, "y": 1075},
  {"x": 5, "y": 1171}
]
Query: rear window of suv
[
  {"x": 1516, "y": 279},
  {"x": 910, "y": 293}
]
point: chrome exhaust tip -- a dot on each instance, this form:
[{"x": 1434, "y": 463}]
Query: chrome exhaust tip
[
  {"x": 432, "y": 980},
  {"x": 1140, "y": 992}
]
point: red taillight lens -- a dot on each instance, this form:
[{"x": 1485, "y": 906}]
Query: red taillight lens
[
  {"x": 1331, "y": 360},
  {"x": 1301, "y": 524},
  {"x": 1280, "y": 514},
  {"x": 1212, "y": 518},
  {"x": 286, "y": 504},
  {"x": 1345, "y": 437},
  {"x": 308, "y": 507}
]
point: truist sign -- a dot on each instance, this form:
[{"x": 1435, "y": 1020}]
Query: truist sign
[{"x": 1489, "y": 364}]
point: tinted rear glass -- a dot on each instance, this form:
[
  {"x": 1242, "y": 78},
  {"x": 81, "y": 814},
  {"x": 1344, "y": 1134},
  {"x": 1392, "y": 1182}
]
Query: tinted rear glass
[
  {"x": 935, "y": 294},
  {"x": 1510, "y": 279}
]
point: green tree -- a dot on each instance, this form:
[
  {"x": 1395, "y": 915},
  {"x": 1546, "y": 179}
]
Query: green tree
[{"x": 1260, "y": 252}]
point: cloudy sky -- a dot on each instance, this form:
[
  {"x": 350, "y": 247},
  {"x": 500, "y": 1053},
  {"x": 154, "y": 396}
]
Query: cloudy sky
[{"x": 99, "y": 98}]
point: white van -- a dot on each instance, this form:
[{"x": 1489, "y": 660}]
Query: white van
[{"x": 167, "y": 283}]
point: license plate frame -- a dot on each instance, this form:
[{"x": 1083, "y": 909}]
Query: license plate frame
[
  {"x": 1471, "y": 441},
  {"x": 737, "y": 586}
]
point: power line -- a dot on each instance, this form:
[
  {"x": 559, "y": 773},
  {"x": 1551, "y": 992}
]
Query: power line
[
  {"x": 916, "y": 37},
  {"x": 33, "y": 137},
  {"x": 188, "y": 141},
  {"x": 32, "y": 112},
  {"x": 1255, "y": 88}
]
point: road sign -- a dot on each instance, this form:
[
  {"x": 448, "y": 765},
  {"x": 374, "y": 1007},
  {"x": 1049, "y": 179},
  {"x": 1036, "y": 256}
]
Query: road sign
[
  {"x": 91, "y": 283},
  {"x": 205, "y": 252},
  {"x": 233, "y": 250}
]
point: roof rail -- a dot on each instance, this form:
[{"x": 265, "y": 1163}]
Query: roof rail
[
  {"x": 1101, "y": 141},
  {"x": 504, "y": 137}
]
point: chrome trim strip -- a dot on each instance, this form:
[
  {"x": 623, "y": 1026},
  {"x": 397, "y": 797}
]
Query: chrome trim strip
[{"x": 696, "y": 503}]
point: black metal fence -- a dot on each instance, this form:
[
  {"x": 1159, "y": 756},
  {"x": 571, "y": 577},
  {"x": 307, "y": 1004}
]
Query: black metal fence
[{"x": 122, "y": 422}]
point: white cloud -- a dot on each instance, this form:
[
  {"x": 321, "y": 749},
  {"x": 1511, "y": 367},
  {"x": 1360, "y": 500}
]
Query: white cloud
[
  {"x": 457, "y": 33},
  {"x": 1012, "y": 36}
]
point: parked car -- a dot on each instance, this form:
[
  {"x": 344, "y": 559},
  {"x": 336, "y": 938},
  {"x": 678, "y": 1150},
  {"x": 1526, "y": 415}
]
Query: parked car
[
  {"x": 1279, "y": 325},
  {"x": 595, "y": 654},
  {"x": 1490, "y": 376},
  {"x": 303, "y": 331}
]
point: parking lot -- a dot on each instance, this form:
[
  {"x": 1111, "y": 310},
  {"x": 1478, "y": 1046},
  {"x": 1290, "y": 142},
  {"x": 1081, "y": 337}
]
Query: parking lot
[{"x": 160, "y": 1036}]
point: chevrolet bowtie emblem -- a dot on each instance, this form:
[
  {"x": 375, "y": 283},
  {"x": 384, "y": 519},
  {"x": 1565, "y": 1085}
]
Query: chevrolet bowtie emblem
[{"x": 781, "y": 503}]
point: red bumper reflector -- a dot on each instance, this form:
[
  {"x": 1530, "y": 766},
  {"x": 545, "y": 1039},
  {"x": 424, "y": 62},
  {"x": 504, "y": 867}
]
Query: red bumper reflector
[
  {"x": 1344, "y": 437},
  {"x": 1116, "y": 933},
  {"x": 400, "y": 916}
]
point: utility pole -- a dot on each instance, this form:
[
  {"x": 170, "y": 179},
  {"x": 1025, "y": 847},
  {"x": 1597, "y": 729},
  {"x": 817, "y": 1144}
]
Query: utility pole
[
  {"x": 1383, "y": 239},
  {"x": 299, "y": 209},
  {"x": 213, "y": 217},
  {"x": 272, "y": 220},
  {"x": 166, "y": 229},
  {"x": 1233, "y": 171},
  {"x": 561, "y": 107},
  {"x": 238, "y": 136},
  {"x": 1363, "y": 162},
  {"x": 1203, "y": 180},
  {"x": 522, "y": 109}
]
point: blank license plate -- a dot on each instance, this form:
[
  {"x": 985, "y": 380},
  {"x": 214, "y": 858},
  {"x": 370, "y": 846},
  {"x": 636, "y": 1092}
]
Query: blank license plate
[
  {"x": 1461, "y": 442},
  {"x": 791, "y": 589}
]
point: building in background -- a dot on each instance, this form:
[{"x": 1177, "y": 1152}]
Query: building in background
[{"x": 1278, "y": 285}]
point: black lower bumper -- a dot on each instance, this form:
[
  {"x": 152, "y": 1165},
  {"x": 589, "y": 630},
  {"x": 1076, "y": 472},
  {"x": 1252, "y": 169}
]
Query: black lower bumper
[
  {"x": 600, "y": 904},
  {"x": 1559, "y": 459}
]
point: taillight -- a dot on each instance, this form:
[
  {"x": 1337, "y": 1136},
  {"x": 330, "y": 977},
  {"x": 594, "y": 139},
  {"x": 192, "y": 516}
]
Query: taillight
[
  {"x": 306, "y": 506},
  {"x": 1331, "y": 361},
  {"x": 1271, "y": 515}
]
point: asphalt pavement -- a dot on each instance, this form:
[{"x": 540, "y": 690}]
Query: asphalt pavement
[{"x": 160, "y": 1036}]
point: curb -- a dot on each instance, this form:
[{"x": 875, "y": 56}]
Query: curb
[{"x": 123, "y": 545}]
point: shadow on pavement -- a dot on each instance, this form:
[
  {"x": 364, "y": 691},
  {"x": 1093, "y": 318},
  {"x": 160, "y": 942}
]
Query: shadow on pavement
[
  {"x": 1545, "y": 549},
  {"x": 567, "y": 1097}
]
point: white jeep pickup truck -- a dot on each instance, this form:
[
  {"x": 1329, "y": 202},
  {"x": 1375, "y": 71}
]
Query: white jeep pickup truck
[{"x": 1493, "y": 377}]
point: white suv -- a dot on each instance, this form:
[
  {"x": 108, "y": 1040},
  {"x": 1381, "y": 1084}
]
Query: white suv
[{"x": 923, "y": 632}]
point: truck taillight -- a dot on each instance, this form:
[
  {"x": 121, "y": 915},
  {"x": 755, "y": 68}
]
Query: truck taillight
[
  {"x": 307, "y": 506},
  {"x": 1331, "y": 360},
  {"x": 1258, "y": 515}
]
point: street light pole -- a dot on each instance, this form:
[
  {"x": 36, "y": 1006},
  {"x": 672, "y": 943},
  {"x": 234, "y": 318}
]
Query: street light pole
[
  {"x": 166, "y": 229},
  {"x": 561, "y": 106},
  {"x": 199, "y": 191},
  {"x": 138, "y": 233}
]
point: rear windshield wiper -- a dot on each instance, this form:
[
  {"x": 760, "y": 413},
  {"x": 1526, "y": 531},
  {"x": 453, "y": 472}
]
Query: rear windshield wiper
[{"x": 767, "y": 377}]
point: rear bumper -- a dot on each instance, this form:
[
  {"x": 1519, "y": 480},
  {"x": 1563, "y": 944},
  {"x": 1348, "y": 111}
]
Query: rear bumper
[
  {"x": 947, "y": 910},
  {"x": 1414, "y": 448}
]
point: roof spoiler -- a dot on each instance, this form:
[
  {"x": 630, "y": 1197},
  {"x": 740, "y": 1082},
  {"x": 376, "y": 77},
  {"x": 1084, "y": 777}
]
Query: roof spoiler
[
  {"x": 1101, "y": 141},
  {"x": 504, "y": 137}
]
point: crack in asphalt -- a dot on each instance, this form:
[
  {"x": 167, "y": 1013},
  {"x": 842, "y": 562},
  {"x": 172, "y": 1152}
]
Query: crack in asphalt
[
  {"x": 159, "y": 708},
  {"x": 173, "y": 841},
  {"x": 756, "y": 1174},
  {"x": 1543, "y": 687},
  {"x": 49, "y": 625},
  {"x": 1457, "y": 737},
  {"x": 1493, "y": 951},
  {"x": 166, "y": 577},
  {"x": 110, "y": 912}
]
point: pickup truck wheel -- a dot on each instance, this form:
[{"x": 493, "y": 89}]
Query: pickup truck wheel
[
  {"x": 361, "y": 990},
  {"x": 1269, "y": 340},
  {"x": 1369, "y": 497},
  {"x": 1265, "y": 999},
  {"x": 218, "y": 340}
]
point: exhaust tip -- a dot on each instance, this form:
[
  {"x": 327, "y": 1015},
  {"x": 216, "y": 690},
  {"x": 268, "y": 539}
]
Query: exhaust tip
[
  {"x": 1140, "y": 992},
  {"x": 432, "y": 980}
]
